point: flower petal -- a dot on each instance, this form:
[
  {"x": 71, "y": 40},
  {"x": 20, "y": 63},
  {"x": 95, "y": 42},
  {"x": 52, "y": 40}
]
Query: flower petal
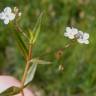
[
  {"x": 80, "y": 41},
  {"x": 86, "y": 35},
  {"x": 74, "y": 31},
  {"x": 7, "y": 10},
  {"x": 68, "y": 28},
  {"x": 86, "y": 42},
  {"x": 71, "y": 36},
  {"x": 2, "y": 15},
  {"x": 6, "y": 21}
]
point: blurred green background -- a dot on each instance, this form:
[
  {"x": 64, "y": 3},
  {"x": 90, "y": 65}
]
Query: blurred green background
[{"x": 73, "y": 70}]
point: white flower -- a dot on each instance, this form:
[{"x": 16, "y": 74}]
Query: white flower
[
  {"x": 73, "y": 33},
  {"x": 70, "y": 32},
  {"x": 83, "y": 37},
  {"x": 7, "y": 15}
]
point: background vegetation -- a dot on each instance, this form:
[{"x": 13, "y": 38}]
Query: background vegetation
[{"x": 73, "y": 70}]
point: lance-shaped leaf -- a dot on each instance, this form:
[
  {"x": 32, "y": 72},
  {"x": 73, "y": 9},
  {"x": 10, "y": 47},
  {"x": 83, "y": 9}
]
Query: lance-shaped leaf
[
  {"x": 21, "y": 44},
  {"x": 32, "y": 69},
  {"x": 10, "y": 91},
  {"x": 37, "y": 28},
  {"x": 30, "y": 74},
  {"x": 31, "y": 35},
  {"x": 38, "y": 61}
]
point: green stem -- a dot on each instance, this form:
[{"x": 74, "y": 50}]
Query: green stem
[{"x": 29, "y": 57}]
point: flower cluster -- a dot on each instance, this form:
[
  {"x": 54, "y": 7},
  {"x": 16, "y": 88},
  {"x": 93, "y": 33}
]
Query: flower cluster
[
  {"x": 73, "y": 33},
  {"x": 7, "y": 15}
]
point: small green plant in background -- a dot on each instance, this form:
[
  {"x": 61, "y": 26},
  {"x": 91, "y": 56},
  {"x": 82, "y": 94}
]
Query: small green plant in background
[{"x": 13, "y": 16}]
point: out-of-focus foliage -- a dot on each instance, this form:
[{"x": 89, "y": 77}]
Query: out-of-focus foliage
[{"x": 73, "y": 70}]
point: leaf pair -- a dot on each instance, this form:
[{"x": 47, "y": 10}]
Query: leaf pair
[{"x": 32, "y": 36}]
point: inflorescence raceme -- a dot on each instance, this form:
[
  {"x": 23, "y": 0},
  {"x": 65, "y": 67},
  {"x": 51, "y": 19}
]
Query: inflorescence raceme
[{"x": 73, "y": 33}]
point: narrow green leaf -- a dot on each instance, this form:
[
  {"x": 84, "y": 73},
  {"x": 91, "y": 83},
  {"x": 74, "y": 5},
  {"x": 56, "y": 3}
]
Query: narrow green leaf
[
  {"x": 31, "y": 74},
  {"x": 21, "y": 44},
  {"x": 31, "y": 35},
  {"x": 38, "y": 61},
  {"x": 37, "y": 27},
  {"x": 10, "y": 91}
]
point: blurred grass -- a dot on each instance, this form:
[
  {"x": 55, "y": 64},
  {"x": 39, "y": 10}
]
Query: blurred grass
[{"x": 79, "y": 61}]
